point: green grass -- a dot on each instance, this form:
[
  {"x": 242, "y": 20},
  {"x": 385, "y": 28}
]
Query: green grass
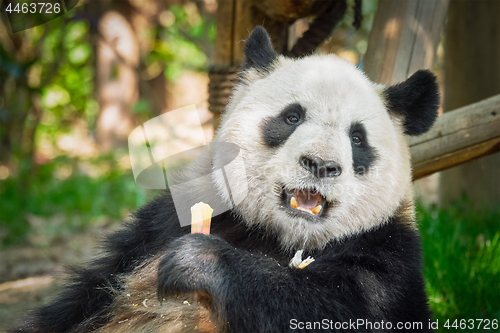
[{"x": 462, "y": 262}]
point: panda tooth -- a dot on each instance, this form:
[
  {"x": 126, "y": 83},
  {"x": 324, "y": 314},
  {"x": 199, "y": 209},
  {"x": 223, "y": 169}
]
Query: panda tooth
[
  {"x": 305, "y": 210},
  {"x": 293, "y": 203},
  {"x": 316, "y": 209}
]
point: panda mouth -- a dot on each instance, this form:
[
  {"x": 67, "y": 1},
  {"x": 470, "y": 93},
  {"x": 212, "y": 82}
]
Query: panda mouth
[{"x": 305, "y": 201}]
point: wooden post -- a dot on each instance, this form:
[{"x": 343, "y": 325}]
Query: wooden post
[
  {"x": 223, "y": 55},
  {"x": 472, "y": 73},
  {"x": 404, "y": 38},
  {"x": 235, "y": 20},
  {"x": 224, "y": 37}
]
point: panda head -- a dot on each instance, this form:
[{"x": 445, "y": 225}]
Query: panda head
[{"x": 324, "y": 148}]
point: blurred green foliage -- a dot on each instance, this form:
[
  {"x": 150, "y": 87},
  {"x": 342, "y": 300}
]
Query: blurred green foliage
[
  {"x": 184, "y": 41},
  {"x": 53, "y": 69},
  {"x": 77, "y": 191},
  {"x": 462, "y": 261},
  {"x": 53, "y": 72},
  {"x": 48, "y": 85}
]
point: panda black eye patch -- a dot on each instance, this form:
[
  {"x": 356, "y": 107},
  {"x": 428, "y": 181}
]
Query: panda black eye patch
[
  {"x": 363, "y": 155},
  {"x": 276, "y": 130}
]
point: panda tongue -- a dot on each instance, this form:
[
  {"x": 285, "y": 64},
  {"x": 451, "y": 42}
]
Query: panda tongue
[{"x": 307, "y": 198}]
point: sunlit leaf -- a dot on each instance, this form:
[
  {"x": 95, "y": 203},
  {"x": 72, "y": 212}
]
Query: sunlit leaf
[
  {"x": 92, "y": 108},
  {"x": 173, "y": 71},
  {"x": 55, "y": 95},
  {"x": 76, "y": 31},
  {"x": 79, "y": 54}
]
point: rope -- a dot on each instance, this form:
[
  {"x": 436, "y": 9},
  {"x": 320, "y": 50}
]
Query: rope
[
  {"x": 358, "y": 14},
  {"x": 222, "y": 80},
  {"x": 319, "y": 29}
]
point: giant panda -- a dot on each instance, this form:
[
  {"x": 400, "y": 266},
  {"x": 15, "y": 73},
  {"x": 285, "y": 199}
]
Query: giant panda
[{"x": 327, "y": 175}]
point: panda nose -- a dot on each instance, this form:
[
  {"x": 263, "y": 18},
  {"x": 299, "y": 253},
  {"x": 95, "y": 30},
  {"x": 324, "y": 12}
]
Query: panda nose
[{"x": 319, "y": 167}]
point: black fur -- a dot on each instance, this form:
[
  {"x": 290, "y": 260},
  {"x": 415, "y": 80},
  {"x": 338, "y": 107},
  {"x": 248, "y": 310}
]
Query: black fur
[
  {"x": 276, "y": 130},
  {"x": 88, "y": 292},
  {"x": 417, "y": 99},
  {"x": 259, "y": 52},
  {"x": 373, "y": 276},
  {"x": 363, "y": 155}
]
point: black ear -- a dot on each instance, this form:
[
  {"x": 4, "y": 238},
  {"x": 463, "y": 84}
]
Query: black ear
[
  {"x": 259, "y": 52},
  {"x": 417, "y": 100}
]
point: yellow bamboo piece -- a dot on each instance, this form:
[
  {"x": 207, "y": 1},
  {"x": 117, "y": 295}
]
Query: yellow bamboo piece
[{"x": 201, "y": 217}]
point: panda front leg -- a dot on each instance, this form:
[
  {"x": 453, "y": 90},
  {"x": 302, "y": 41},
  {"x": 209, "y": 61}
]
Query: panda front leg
[{"x": 248, "y": 293}]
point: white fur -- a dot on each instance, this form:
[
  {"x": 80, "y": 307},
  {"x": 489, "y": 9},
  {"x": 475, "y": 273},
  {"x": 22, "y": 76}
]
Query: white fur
[{"x": 335, "y": 94}]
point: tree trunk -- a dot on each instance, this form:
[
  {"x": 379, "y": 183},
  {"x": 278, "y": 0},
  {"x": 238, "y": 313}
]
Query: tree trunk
[
  {"x": 472, "y": 73},
  {"x": 117, "y": 78}
]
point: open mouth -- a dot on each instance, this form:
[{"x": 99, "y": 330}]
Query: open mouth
[{"x": 306, "y": 201}]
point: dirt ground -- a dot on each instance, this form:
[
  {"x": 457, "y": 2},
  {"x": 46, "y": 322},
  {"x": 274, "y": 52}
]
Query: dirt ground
[{"x": 31, "y": 275}]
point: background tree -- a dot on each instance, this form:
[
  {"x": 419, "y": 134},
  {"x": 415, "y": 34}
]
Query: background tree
[{"x": 73, "y": 88}]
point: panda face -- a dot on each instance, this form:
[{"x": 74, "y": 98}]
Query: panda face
[
  {"x": 323, "y": 158},
  {"x": 324, "y": 148}
]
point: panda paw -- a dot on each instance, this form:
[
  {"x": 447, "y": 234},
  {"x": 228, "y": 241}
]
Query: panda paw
[{"x": 193, "y": 264}]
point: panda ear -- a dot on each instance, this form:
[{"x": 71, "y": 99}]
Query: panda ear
[
  {"x": 417, "y": 100},
  {"x": 259, "y": 52}
]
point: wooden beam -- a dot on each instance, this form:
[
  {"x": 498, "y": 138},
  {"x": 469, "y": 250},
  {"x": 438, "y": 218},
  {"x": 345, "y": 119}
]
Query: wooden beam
[{"x": 457, "y": 136}]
